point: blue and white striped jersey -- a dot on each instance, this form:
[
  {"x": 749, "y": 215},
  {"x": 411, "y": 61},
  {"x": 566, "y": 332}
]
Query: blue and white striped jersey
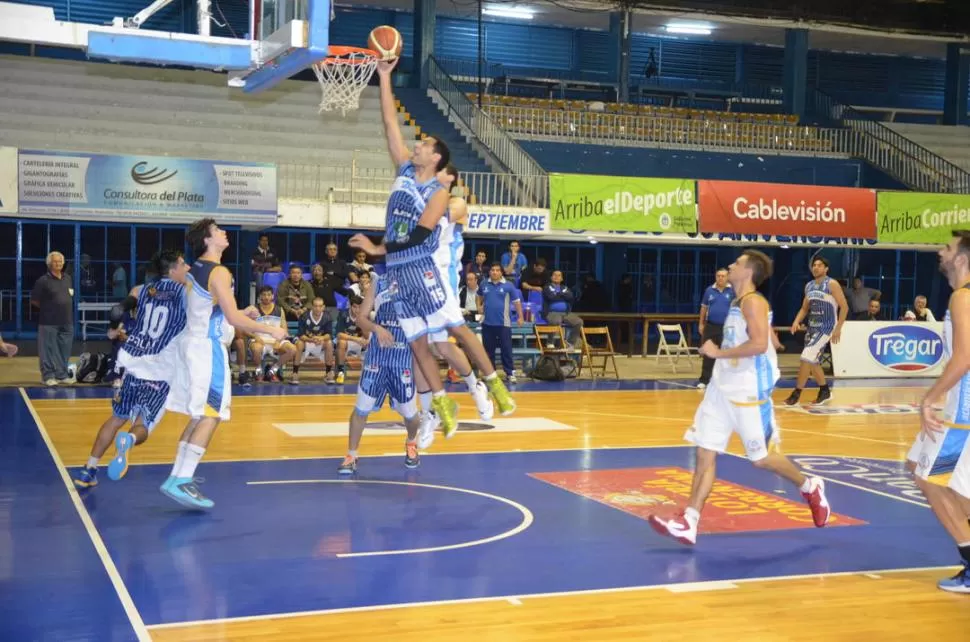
[
  {"x": 161, "y": 316},
  {"x": 398, "y": 356},
  {"x": 822, "y": 307},
  {"x": 404, "y": 209}
]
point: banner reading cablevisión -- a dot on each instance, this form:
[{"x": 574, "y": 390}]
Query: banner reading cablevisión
[
  {"x": 791, "y": 210},
  {"x": 917, "y": 217},
  {"x": 136, "y": 187},
  {"x": 621, "y": 203}
]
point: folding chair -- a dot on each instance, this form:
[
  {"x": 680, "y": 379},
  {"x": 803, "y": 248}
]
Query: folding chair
[
  {"x": 606, "y": 353},
  {"x": 545, "y": 334},
  {"x": 674, "y": 351}
]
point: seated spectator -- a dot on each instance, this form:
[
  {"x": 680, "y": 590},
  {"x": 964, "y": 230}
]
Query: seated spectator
[
  {"x": 513, "y": 263},
  {"x": 363, "y": 284},
  {"x": 468, "y": 298},
  {"x": 535, "y": 277},
  {"x": 264, "y": 345},
  {"x": 295, "y": 294},
  {"x": 873, "y": 313},
  {"x": 264, "y": 259},
  {"x": 479, "y": 265},
  {"x": 557, "y": 306},
  {"x": 326, "y": 284},
  {"x": 858, "y": 297},
  {"x": 316, "y": 333},
  {"x": 351, "y": 340},
  {"x": 921, "y": 312},
  {"x": 359, "y": 266}
]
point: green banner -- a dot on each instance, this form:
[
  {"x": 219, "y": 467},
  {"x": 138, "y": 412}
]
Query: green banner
[
  {"x": 622, "y": 203},
  {"x": 917, "y": 217}
]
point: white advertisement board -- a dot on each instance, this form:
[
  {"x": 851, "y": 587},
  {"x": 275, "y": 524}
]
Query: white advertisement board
[
  {"x": 889, "y": 349},
  {"x": 8, "y": 180}
]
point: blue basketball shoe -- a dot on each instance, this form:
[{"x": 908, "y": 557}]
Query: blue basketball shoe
[
  {"x": 118, "y": 467},
  {"x": 959, "y": 583},
  {"x": 87, "y": 478},
  {"x": 184, "y": 491}
]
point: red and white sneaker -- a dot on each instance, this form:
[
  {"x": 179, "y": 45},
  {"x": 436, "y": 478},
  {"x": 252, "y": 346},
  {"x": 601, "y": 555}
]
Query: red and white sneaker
[
  {"x": 817, "y": 502},
  {"x": 678, "y": 528}
]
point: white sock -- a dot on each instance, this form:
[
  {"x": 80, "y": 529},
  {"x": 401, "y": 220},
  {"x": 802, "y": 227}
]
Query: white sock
[
  {"x": 352, "y": 453},
  {"x": 471, "y": 381},
  {"x": 424, "y": 398},
  {"x": 806, "y": 486},
  {"x": 491, "y": 376},
  {"x": 93, "y": 462},
  {"x": 439, "y": 393},
  {"x": 179, "y": 457},
  {"x": 692, "y": 516},
  {"x": 190, "y": 461}
]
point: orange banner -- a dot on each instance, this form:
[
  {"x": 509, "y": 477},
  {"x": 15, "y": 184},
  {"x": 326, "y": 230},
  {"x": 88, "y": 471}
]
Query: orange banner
[{"x": 786, "y": 210}]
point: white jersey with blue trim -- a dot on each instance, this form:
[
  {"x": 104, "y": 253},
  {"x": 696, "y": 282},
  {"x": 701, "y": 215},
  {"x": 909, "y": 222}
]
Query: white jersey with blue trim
[
  {"x": 450, "y": 248},
  {"x": 150, "y": 350},
  {"x": 205, "y": 319},
  {"x": 956, "y": 407},
  {"x": 406, "y": 205},
  {"x": 822, "y": 306},
  {"x": 745, "y": 379}
]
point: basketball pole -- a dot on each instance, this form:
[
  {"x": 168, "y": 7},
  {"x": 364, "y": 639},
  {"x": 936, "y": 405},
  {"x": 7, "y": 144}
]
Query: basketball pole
[{"x": 481, "y": 53}]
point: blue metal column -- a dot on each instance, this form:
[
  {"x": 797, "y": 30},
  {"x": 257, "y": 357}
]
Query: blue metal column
[
  {"x": 955, "y": 85},
  {"x": 795, "y": 79},
  {"x": 20, "y": 279},
  {"x": 620, "y": 31},
  {"x": 424, "y": 24}
]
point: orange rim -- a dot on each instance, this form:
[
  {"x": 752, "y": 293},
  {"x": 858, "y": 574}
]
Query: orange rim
[{"x": 337, "y": 54}]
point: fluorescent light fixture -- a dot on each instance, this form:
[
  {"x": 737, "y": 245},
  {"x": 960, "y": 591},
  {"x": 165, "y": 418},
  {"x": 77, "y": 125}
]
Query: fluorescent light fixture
[
  {"x": 690, "y": 28},
  {"x": 519, "y": 13}
]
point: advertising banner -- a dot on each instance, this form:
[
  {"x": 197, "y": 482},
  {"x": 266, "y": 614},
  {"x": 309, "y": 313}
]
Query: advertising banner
[
  {"x": 889, "y": 349},
  {"x": 917, "y": 217},
  {"x": 790, "y": 210},
  {"x": 622, "y": 203},
  {"x": 519, "y": 223},
  {"x": 8, "y": 180},
  {"x": 144, "y": 187}
]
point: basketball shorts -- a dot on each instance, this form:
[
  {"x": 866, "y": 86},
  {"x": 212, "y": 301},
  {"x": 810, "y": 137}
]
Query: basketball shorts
[
  {"x": 815, "y": 342},
  {"x": 313, "y": 350},
  {"x": 201, "y": 386},
  {"x": 422, "y": 303},
  {"x": 718, "y": 417},
  {"x": 448, "y": 273},
  {"x": 270, "y": 347},
  {"x": 141, "y": 398},
  {"x": 377, "y": 382}
]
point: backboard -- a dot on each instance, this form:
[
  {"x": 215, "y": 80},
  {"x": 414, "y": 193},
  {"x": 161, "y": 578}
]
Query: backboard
[{"x": 283, "y": 38}]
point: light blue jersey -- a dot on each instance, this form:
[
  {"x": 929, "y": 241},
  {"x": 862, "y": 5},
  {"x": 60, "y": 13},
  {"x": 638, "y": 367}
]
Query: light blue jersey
[{"x": 822, "y": 307}]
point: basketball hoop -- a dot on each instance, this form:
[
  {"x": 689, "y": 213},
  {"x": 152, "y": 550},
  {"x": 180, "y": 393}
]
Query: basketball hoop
[{"x": 343, "y": 75}]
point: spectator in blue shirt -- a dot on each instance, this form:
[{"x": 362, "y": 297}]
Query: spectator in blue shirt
[
  {"x": 557, "y": 307},
  {"x": 714, "y": 310},
  {"x": 495, "y": 297},
  {"x": 513, "y": 263}
]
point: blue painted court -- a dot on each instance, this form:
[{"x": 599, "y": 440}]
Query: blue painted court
[{"x": 292, "y": 536}]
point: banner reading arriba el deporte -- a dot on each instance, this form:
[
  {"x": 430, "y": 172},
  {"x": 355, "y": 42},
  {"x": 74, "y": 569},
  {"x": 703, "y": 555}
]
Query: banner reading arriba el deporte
[
  {"x": 621, "y": 203},
  {"x": 918, "y": 217}
]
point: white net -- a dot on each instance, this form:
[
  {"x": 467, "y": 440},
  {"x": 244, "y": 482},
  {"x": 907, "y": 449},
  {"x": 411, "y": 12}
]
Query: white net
[{"x": 343, "y": 78}]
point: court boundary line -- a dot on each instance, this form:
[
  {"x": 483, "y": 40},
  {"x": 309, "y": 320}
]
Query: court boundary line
[
  {"x": 530, "y": 596},
  {"x": 127, "y": 603},
  {"x": 527, "y": 516}
]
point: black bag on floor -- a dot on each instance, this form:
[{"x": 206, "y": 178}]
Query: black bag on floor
[
  {"x": 89, "y": 367},
  {"x": 547, "y": 369}
]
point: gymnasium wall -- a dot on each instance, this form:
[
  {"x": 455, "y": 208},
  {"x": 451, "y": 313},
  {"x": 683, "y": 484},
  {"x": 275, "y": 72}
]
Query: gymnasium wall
[
  {"x": 863, "y": 79},
  {"x": 624, "y": 161}
]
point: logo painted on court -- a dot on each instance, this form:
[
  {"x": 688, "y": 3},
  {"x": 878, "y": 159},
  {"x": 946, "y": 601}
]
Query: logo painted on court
[
  {"x": 907, "y": 347},
  {"x": 857, "y": 409},
  {"x": 731, "y": 508},
  {"x": 886, "y": 477}
]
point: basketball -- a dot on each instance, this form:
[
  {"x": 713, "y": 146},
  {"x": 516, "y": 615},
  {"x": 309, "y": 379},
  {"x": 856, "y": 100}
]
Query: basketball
[{"x": 386, "y": 41}]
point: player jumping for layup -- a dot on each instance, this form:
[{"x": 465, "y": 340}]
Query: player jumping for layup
[
  {"x": 386, "y": 373},
  {"x": 149, "y": 358},
  {"x": 940, "y": 458},
  {"x": 826, "y": 308},
  {"x": 739, "y": 400},
  {"x": 414, "y": 211},
  {"x": 201, "y": 387}
]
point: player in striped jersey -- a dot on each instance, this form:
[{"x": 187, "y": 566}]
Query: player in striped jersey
[
  {"x": 201, "y": 387},
  {"x": 940, "y": 457},
  {"x": 387, "y": 372},
  {"x": 826, "y": 309},
  {"x": 148, "y": 358},
  {"x": 738, "y": 399},
  {"x": 414, "y": 211}
]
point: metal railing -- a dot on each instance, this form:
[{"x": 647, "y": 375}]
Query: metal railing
[
  {"x": 626, "y": 129},
  {"x": 529, "y": 176},
  {"x": 898, "y": 156},
  {"x": 364, "y": 185}
]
